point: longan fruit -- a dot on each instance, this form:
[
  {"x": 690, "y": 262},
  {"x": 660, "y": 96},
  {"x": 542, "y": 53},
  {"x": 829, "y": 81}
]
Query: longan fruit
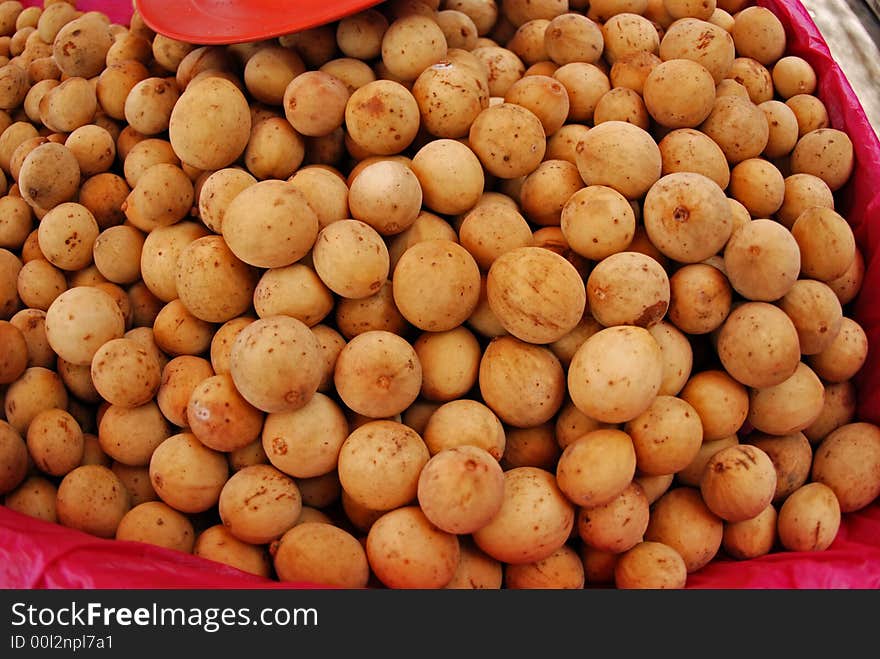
[
  {"x": 405, "y": 550},
  {"x": 387, "y": 195},
  {"x": 848, "y": 462},
  {"x": 700, "y": 298},
  {"x": 679, "y": 93},
  {"x": 545, "y": 192},
  {"x": 227, "y": 132},
  {"x": 738, "y": 126},
  {"x": 628, "y": 288},
  {"x": 826, "y": 153},
  {"x": 826, "y": 243},
  {"x": 351, "y": 259},
  {"x": 179, "y": 377},
  {"x": 305, "y": 443},
  {"x": 163, "y": 195},
  {"x": 738, "y": 482},
  {"x": 492, "y": 229},
  {"x": 81, "y": 320},
  {"x": 687, "y": 216},
  {"x": 117, "y": 253},
  {"x": 220, "y": 417},
  {"x": 618, "y": 525},
  {"x": 15, "y": 460},
  {"x": 375, "y": 473},
  {"x": 759, "y": 34},
  {"x": 650, "y": 565},
  {"x": 793, "y": 75},
  {"x": 288, "y": 224},
  {"x": 803, "y": 191},
  {"x": 545, "y": 97},
  {"x": 276, "y": 364},
  {"x": 561, "y": 570},
  {"x": 758, "y": 185},
  {"x": 378, "y": 374},
  {"x": 701, "y": 41},
  {"x": 677, "y": 355},
  {"x": 258, "y": 504},
  {"x": 49, "y": 176},
  {"x": 501, "y": 66},
  {"x": 838, "y": 409},
  {"x": 130, "y": 435},
  {"x": 35, "y": 496},
  {"x": 666, "y": 437},
  {"x": 213, "y": 284},
  {"x": 450, "y": 363},
  {"x": 436, "y": 285},
  {"x": 631, "y": 71},
  {"x": 217, "y": 543},
  {"x": 758, "y": 345},
  {"x": 792, "y": 457},
  {"x": 295, "y": 291},
  {"x": 689, "y": 150},
  {"x": 91, "y": 498},
  {"x": 752, "y": 537},
  {"x": 613, "y": 356},
  {"x": 573, "y": 37},
  {"x": 464, "y": 422},
  {"x": 512, "y": 286},
  {"x": 157, "y": 523},
  {"x": 816, "y": 312},
  {"x": 810, "y": 112},
  {"x": 124, "y": 373},
  {"x": 565, "y": 347},
  {"x": 809, "y": 519},
  {"x": 16, "y": 222},
  {"x": 681, "y": 520},
  {"x": 314, "y": 103},
  {"x": 522, "y": 383},
  {"x": 585, "y": 84},
  {"x": 534, "y": 521},
  {"x": 178, "y": 332},
  {"x": 104, "y": 195},
  {"x": 374, "y": 110},
  {"x": 621, "y": 156},
  {"x": 721, "y": 402},
  {"x": 14, "y": 357},
  {"x": 762, "y": 261},
  {"x": 187, "y": 475},
  {"x": 411, "y": 44},
  {"x": 80, "y": 46},
  {"x": 531, "y": 447},
  {"x": 450, "y": 176},
  {"x": 275, "y": 150},
  {"x": 489, "y": 140},
  {"x": 460, "y": 489},
  {"x": 622, "y": 104},
  {"x": 594, "y": 469},
  {"x": 318, "y": 553},
  {"x": 376, "y": 312},
  {"x": 218, "y": 191}
]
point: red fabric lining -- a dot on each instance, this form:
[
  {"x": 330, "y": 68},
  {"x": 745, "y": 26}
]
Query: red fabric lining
[{"x": 34, "y": 554}]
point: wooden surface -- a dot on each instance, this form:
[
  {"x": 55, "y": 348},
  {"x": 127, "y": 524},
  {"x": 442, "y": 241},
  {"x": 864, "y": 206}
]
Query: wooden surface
[{"x": 852, "y": 31}]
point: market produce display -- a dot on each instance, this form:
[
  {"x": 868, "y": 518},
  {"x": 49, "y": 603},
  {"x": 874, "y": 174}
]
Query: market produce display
[{"x": 442, "y": 294}]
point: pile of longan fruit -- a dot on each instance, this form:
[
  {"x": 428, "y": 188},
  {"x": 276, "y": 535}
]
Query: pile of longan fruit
[{"x": 447, "y": 293}]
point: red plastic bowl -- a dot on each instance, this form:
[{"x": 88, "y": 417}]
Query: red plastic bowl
[
  {"x": 210, "y": 22},
  {"x": 34, "y": 554}
]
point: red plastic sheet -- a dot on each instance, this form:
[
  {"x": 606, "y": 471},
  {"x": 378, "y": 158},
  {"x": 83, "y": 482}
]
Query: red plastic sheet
[{"x": 34, "y": 554}]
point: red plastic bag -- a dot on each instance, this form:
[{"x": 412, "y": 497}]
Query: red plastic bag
[{"x": 34, "y": 554}]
